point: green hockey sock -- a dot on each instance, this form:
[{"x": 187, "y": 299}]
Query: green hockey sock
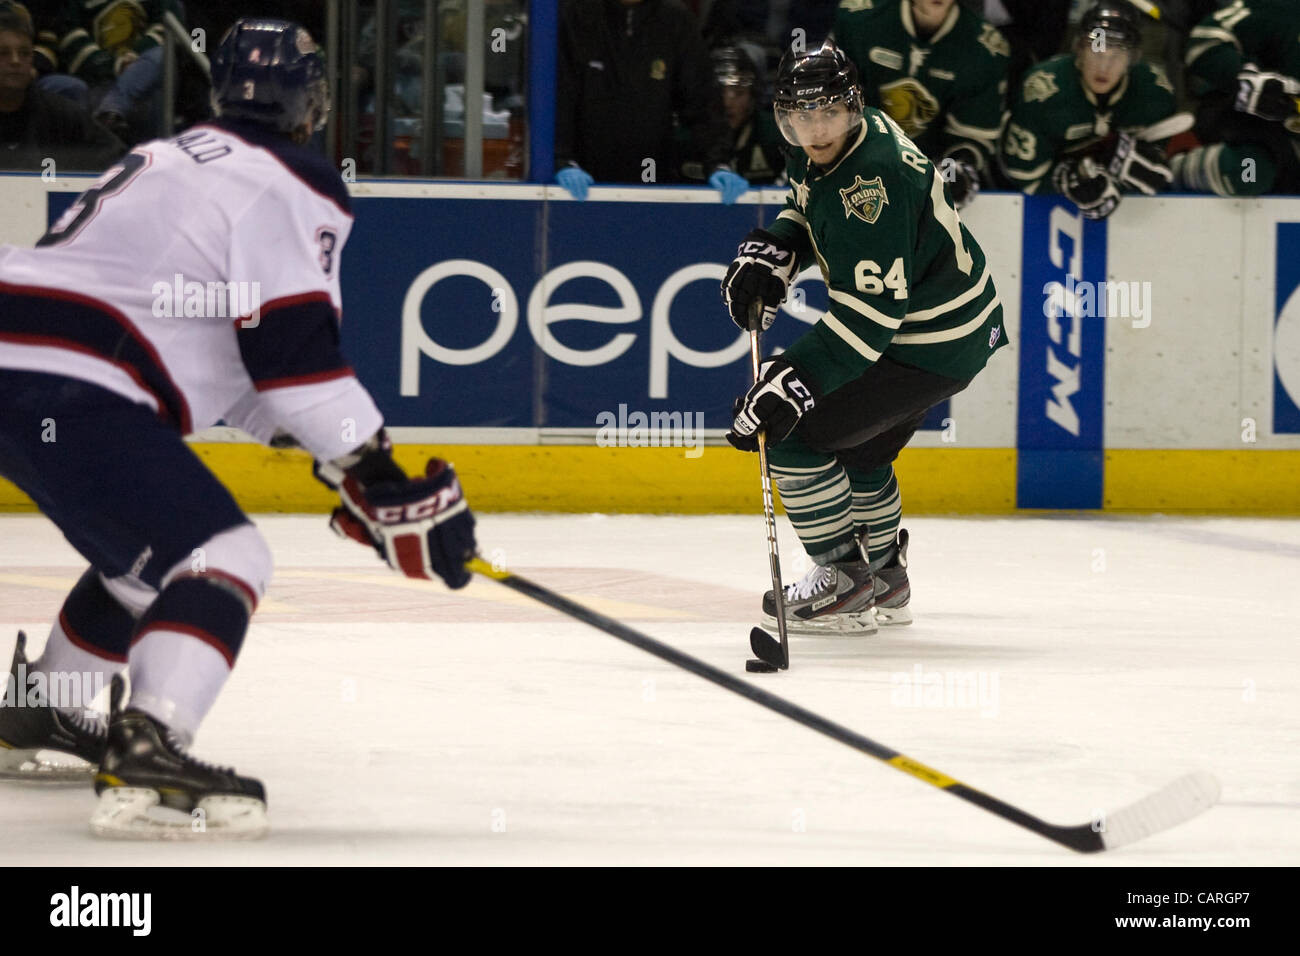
[
  {"x": 818, "y": 502},
  {"x": 878, "y": 507}
]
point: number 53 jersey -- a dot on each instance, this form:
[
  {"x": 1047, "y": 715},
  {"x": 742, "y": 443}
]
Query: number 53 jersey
[
  {"x": 905, "y": 277},
  {"x": 199, "y": 276}
]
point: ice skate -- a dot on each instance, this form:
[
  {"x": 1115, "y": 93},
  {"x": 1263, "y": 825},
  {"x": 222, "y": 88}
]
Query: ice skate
[
  {"x": 150, "y": 789},
  {"x": 893, "y": 591},
  {"x": 830, "y": 599},
  {"x": 40, "y": 743}
]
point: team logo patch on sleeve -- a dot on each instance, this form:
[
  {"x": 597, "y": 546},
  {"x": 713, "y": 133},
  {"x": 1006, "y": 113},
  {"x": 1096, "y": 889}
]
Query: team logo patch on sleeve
[
  {"x": 1040, "y": 87},
  {"x": 866, "y": 199}
]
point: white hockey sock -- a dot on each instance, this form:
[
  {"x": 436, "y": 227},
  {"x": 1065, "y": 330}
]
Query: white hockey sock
[
  {"x": 72, "y": 670},
  {"x": 176, "y": 678}
]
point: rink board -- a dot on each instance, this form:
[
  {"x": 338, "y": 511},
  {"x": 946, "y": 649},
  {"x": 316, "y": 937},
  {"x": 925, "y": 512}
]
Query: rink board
[{"x": 506, "y": 327}]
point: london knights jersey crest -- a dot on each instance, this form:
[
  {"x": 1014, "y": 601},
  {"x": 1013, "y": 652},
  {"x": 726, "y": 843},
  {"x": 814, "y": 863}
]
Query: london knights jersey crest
[{"x": 866, "y": 199}]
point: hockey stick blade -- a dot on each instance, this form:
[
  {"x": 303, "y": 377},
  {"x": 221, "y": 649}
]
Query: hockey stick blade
[
  {"x": 1176, "y": 803},
  {"x": 767, "y": 648}
]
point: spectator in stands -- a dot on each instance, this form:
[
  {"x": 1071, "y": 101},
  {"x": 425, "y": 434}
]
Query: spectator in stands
[
  {"x": 1093, "y": 125},
  {"x": 757, "y": 147},
  {"x": 625, "y": 68},
  {"x": 35, "y": 125},
  {"x": 940, "y": 71},
  {"x": 46, "y": 60},
  {"x": 1035, "y": 29},
  {"x": 117, "y": 51},
  {"x": 1244, "y": 62}
]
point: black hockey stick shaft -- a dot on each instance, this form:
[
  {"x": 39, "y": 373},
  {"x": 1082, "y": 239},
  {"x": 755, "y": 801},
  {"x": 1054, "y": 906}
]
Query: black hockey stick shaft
[
  {"x": 1082, "y": 838},
  {"x": 760, "y": 642}
]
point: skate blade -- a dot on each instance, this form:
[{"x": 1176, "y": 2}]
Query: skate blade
[
  {"x": 893, "y": 616},
  {"x": 45, "y": 767},
  {"x": 861, "y": 624},
  {"x": 134, "y": 813}
]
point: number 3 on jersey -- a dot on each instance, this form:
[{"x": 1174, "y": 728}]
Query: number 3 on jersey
[
  {"x": 866, "y": 275},
  {"x": 114, "y": 180}
]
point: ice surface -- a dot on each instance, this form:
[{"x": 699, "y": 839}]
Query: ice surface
[{"x": 395, "y": 722}]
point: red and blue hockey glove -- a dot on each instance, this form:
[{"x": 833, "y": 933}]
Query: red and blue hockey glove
[
  {"x": 419, "y": 526},
  {"x": 774, "y": 403}
]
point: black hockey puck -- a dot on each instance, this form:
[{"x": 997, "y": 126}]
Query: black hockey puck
[{"x": 755, "y": 666}]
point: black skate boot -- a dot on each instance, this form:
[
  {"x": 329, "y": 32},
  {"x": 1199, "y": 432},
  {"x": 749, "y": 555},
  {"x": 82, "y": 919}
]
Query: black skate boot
[
  {"x": 145, "y": 767},
  {"x": 40, "y": 743},
  {"x": 893, "y": 592},
  {"x": 830, "y": 599}
]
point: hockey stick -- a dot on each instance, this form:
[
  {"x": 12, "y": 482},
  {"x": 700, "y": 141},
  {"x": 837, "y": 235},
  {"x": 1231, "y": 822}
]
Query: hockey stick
[
  {"x": 760, "y": 642},
  {"x": 1176, "y": 803},
  {"x": 1159, "y": 15}
]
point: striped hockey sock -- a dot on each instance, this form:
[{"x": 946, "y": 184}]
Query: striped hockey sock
[
  {"x": 818, "y": 502},
  {"x": 877, "y": 506}
]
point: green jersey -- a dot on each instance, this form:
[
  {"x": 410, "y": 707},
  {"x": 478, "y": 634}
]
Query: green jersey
[
  {"x": 906, "y": 278},
  {"x": 757, "y": 149},
  {"x": 947, "y": 91},
  {"x": 1263, "y": 32},
  {"x": 1057, "y": 116}
]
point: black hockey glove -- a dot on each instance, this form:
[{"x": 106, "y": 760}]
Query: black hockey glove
[
  {"x": 1088, "y": 186},
  {"x": 762, "y": 270},
  {"x": 1139, "y": 165},
  {"x": 965, "y": 184},
  {"x": 419, "y": 526},
  {"x": 1270, "y": 96},
  {"x": 962, "y": 175},
  {"x": 774, "y": 403}
]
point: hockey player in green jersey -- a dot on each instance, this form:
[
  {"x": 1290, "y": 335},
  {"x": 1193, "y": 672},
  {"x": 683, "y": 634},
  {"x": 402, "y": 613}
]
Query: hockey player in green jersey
[
  {"x": 1244, "y": 61},
  {"x": 913, "y": 317},
  {"x": 940, "y": 71},
  {"x": 1093, "y": 124},
  {"x": 757, "y": 149}
]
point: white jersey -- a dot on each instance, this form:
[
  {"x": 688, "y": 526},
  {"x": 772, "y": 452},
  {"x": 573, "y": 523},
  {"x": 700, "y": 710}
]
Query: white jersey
[{"x": 199, "y": 276}]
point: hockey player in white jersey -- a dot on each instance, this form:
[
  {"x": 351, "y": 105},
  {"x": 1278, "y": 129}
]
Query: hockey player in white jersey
[{"x": 101, "y": 376}]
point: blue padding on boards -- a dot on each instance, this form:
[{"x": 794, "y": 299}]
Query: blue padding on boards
[
  {"x": 1058, "y": 479},
  {"x": 1286, "y": 360},
  {"x": 1061, "y": 410}
]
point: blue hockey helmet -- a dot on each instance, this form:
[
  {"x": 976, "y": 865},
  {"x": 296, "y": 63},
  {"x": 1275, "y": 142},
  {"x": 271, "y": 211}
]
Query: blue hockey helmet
[{"x": 270, "y": 72}]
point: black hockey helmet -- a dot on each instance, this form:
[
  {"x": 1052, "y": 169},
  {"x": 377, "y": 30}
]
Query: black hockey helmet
[
  {"x": 1110, "y": 25},
  {"x": 271, "y": 72},
  {"x": 733, "y": 67},
  {"x": 816, "y": 80}
]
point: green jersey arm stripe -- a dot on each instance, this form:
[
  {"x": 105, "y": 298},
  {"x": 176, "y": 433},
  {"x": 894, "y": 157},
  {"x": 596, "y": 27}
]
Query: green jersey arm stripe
[
  {"x": 793, "y": 217},
  {"x": 947, "y": 335},
  {"x": 857, "y": 305},
  {"x": 1028, "y": 175},
  {"x": 984, "y": 134},
  {"x": 946, "y": 216},
  {"x": 1214, "y": 36},
  {"x": 842, "y": 330},
  {"x": 974, "y": 292}
]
